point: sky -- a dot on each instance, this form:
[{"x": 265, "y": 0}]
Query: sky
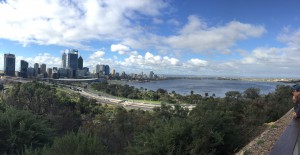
[{"x": 232, "y": 38}]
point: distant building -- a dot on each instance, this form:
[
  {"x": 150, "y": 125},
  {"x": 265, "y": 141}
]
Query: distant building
[
  {"x": 30, "y": 72},
  {"x": 123, "y": 75},
  {"x": 62, "y": 73},
  {"x": 64, "y": 60},
  {"x": 81, "y": 73},
  {"x": 73, "y": 61},
  {"x": 49, "y": 72},
  {"x": 54, "y": 69},
  {"x": 114, "y": 72},
  {"x": 107, "y": 70},
  {"x": 9, "y": 64},
  {"x": 36, "y": 69},
  {"x": 23, "y": 68},
  {"x": 100, "y": 68},
  {"x": 151, "y": 75},
  {"x": 87, "y": 69},
  {"x": 43, "y": 68},
  {"x": 80, "y": 63}
]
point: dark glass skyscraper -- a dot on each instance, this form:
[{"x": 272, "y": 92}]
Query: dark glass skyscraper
[
  {"x": 9, "y": 64},
  {"x": 107, "y": 70},
  {"x": 36, "y": 69},
  {"x": 80, "y": 63},
  {"x": 73, "y": 61},
  {"x": 23, "y": 68}
]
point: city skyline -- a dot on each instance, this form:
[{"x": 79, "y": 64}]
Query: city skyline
[{"x": 217, "y": 38}]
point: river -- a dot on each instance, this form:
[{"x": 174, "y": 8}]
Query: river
[{"x": 210, "y": 86}]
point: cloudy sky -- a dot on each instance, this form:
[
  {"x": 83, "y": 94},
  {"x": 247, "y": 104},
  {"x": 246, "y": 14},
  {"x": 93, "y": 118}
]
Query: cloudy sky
[{"x": 252, "y": 38}]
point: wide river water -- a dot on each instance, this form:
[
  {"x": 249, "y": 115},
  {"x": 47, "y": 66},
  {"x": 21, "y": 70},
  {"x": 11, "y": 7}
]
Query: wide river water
[{"x": 210, "y": 86}]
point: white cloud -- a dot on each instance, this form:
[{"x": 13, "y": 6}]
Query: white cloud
[
  {"x": 71, "y": 23},
  {"x": 174, "y": 22},
  {"x": 98, "y": 54},
  {"x": 157, "y": 21},
  {"x": 198, "y": 62},
  {"x": 154, "y": 61},
  {"x": 291, "y": 38},
  {"x": 121, "y": 49},
  {"x": 197, "y": 36}
]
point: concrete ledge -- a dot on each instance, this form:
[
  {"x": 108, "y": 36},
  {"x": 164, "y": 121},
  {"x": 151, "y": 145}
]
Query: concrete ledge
[{"x": 288, "y": 140}]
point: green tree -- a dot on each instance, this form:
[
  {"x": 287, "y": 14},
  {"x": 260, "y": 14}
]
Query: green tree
[
  {"x": 251, "y": 93},
  {"x": 73, "y": 144},
  {"x": 19, "y": 128}
]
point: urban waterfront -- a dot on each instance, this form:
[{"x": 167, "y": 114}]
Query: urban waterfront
[{"x": 210, "y": 86}]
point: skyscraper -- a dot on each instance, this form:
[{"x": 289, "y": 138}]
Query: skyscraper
[
  {"x": 49, "y": 72},
  {"x": 73, "y": 61},
  {"x": 80, "y": 63},
  {"x": 100, "y": 69},
  {"x": 43, "y": 68},
  {"x": 64, "y": 60},
  {"x": 151, "y": 75},
  {"x": 23, "y": 69},
  {"x": 107, "y": 70},
  {"x": 9, "y": 64},
  {"x": 36, "y": 69}
]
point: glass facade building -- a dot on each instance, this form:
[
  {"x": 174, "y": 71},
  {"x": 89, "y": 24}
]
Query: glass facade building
[{"x": 9, "y": 64}]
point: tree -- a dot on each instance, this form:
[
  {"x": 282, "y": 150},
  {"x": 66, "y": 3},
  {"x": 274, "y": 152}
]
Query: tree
[
  {"x": 252, "y": 93},
  {"x": 73, "y": 144},
  {"x": 19, "y": 128}
]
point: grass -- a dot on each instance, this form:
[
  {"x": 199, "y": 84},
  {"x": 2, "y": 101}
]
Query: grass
[
  {"x": 259, "y": 142},
  {"x": 274, "y": 126}
]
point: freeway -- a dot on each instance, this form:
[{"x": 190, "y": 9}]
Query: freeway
[
  {"x": 125, "y": 103},
  {"x": 106, "y": 99}
]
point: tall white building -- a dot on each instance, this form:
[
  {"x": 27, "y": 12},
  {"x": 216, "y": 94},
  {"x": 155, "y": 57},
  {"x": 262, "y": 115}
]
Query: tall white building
[{"x": 64, "y": 60}]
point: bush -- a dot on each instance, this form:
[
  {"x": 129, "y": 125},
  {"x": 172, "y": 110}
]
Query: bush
[
  {"x": 19, "y": 128},
  {"x": 76, "y": 144}
]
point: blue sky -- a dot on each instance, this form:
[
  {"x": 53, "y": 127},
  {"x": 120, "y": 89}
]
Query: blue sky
[{"x": 192, "y": 37}]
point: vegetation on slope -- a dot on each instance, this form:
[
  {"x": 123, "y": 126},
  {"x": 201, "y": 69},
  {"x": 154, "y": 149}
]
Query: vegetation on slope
[{"x": 214, "y": 126}]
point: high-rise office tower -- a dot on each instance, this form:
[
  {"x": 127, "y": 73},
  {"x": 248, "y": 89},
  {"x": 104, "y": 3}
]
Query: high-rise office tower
[
  {"x": 36, "y": 69},
  {"x": 73, "y": 61},
  {"x": 64, "y": 60},
  {"x": 9, "y": 64},
  {"x": 80, "y": 63},
  {"x": 151, "y": 75},
  {"x": 55, "y": 69},
  {"x": 23, "y": 69},
  {"x": 107, "y": 70},
  {"x": 49, "y": 72},
  {"x": 114, "y": 72},
  {"x": 100, "y": 69},
  {"x": 43, "y": 68}
]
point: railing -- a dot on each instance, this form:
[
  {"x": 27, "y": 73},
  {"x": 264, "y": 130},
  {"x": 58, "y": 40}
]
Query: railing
[{"x": 289, "y": 141}]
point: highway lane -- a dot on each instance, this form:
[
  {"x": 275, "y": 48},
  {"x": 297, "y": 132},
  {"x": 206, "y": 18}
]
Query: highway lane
[{"x": 107, "y": 100}]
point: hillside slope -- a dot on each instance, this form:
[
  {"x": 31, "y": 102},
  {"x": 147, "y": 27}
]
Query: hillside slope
[{"x": 263, "y": 143}]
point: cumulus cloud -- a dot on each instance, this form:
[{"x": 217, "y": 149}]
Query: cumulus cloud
[
  {"x": 71, "y": 23},
  {"x": 155, "y": 61},
  {"x": 121, "y": 49},
  {"x": 292, "y": 38},
  {"x": 157, "y": 21},
  {"x": 198, "y": 62},
  {"x": 197, "y": 36},
  {"x": 98, "y": 54}
]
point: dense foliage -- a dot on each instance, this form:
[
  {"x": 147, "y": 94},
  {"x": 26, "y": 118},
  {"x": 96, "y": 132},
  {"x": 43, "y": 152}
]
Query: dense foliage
[{"x": 36, "y": 112}]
